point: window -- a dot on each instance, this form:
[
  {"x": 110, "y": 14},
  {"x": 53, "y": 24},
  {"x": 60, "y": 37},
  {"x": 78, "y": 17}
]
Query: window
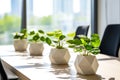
[
  {"x": 48, "y": 15},
  {"x": 10, "y": 12},
  {"x": 57, "y": 14}
]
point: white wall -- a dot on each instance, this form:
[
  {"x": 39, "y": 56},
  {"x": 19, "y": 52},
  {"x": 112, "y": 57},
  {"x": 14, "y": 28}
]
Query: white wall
[
  {"x": 108, "y": 13},
  {"x": 101, "y": 17}
]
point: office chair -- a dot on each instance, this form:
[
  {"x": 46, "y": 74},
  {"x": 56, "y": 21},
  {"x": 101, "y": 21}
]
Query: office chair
[
  {"x": 81, "y": 30},
  {"x": 111, "y": 40},
  {"x": 3, "y": 74}
]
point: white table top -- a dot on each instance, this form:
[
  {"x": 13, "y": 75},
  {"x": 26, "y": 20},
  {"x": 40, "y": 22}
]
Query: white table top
[{"x": 40, "y": 68}]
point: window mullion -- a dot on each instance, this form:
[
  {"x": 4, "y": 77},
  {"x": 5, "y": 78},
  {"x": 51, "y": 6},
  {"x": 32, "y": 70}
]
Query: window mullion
[{"x": 24, "y": 17}]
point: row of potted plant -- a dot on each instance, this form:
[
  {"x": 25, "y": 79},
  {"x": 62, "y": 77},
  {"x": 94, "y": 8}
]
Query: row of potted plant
[{"x": 85, "y": 63}]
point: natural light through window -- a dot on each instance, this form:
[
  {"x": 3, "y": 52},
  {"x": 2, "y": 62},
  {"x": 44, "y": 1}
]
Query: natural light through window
[
  {"x": 42, "y": 7},
  {"x": 76, "y": 6},
  {"x": 4, "y": 6},
  {"x": 47, "y": 15},
  {"x": 59, "y": 14},
  {"x": 10, "y": 19}
]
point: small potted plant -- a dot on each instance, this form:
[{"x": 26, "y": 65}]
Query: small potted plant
[
  {"x": 36, "y": 40},
  {"x": 86, "y": 62},
  {"x": 58, "y": 54},
  {"x": 20, "y": 40}
]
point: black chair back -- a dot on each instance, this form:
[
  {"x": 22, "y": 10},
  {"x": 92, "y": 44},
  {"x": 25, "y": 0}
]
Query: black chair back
[
  {"x": 111, "y": 40},
  {"x": 2, "y": 72},
  {"x": 81, "y": 30}
]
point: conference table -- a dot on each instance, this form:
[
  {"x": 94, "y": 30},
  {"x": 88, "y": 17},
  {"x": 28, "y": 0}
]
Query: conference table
[{"x": 39, "y": 67}]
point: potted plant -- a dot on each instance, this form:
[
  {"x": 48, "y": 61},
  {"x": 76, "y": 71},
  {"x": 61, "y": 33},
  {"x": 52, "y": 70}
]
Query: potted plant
[
  {"x": 36, "y": 40},
  {"x": 20, "y": 40},
  {"x": 58, "y": 54},
  {"x": 86, "y": 62}
]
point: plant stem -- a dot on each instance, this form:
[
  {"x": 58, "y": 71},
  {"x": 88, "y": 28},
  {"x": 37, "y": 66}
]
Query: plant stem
[{"x": 59, "y": 43}]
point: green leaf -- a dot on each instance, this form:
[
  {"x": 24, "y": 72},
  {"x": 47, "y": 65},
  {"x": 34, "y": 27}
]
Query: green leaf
[
  {"x": 32, "y": 33},
  {"x": 78, "y": 49},
  {"x": 50, "y": 33},
  {"x": 41, "y": 31},
  {"x": 95, "y": 40},
  {"x": 61, "y": 37},
  {"x": 16, "y": 36},
  {"x": 95, "y": 51},
  {"x": 75, "y": 41},
  {"x": 36, "y": 37},
  {"x": 70, "y": 41},
  {"x": 72, "y": 34},
  {"x": 48, "y": 41},
  {"x": 95, "y": 43},
  {"x": 55, "y": 41},
  {"x": 23, "y": 31},
  {"x": 88, "y": 47},
  {"x": 42, "y": 38},
  {"x": 57, "y": 33}
]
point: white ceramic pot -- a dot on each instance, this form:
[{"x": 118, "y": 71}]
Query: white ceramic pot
[
  {"x": 86, "y": 65},
  {"x": 59, "y": 56},
  {"x": 36, "y": 49},
  {"x": 20, "y": 45}
]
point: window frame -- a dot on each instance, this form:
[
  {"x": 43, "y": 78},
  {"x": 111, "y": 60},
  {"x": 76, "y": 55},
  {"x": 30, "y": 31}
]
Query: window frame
[
  {"x": 94, "y": 18},
  {"x": 24, "y": 15}
]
